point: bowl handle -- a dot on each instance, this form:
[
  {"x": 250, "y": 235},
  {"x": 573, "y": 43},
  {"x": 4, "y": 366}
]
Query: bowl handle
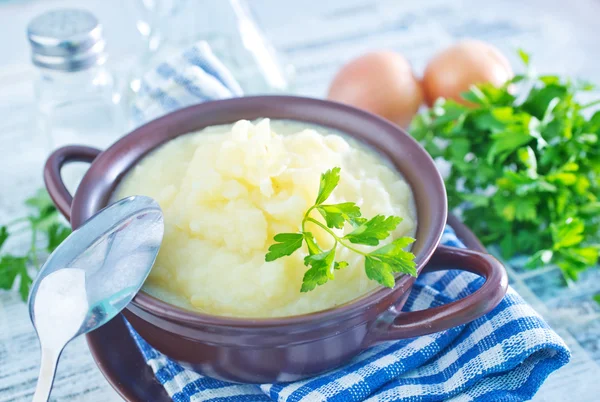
[
  {"x": 423, "y": 322},
  {"x": 52, "y": 176}
]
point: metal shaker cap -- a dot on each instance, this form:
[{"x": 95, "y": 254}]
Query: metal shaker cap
[{"x": 66, "y": 40}]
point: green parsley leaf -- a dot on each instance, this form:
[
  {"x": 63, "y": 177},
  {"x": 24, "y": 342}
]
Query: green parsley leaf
[
  {"x": 373, "y": 230},
  {"x": 287, "y": 244},
  {"x": 329, "y": 181},
  {"x": 396, "y": 257},
  {"x": 596, "y": 298},
  {"x": 12, "y": 268},
  {"x": 44, "y": 223},
  {"x": 524, "y": 56},
  {"x": 3, "y": 235},
  {"x": 379, "y": 271},
  {"x": 585, "y": 256},
  {"x": 46, "y": 214},
  {"x": 567, "y": 233},
  {"x": 25, "y": 286},
  {"x": 340, "y": 265},
  {"x": 57, "y": 233},
  {"x": 380, "y": 265},
  {"x": 41, "y": 202},
  {"x": 506, "y": 142},
  {"x": 321, "y": 269},
  {"x": 591, "y": 209},
  {"x": 337, "y": 215},
  {"x": 524, "y": 167},
  {"x": 475, "y": 95}
]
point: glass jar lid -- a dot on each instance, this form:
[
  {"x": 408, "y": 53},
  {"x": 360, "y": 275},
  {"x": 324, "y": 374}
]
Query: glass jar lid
[{"x": 67, "y": 40}]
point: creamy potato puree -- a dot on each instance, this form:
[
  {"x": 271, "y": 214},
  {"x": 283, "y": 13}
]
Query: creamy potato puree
[{"x": 227, "y": 190}]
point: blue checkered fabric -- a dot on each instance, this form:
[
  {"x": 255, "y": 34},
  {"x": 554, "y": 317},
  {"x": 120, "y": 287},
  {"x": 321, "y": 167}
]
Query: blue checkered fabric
[{"x": 503, "y": 356}]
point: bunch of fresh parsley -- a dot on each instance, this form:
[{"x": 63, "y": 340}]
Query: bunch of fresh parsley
[
  {"x": 524, "y": 167},
  {"x": 380, "y": 264},
  {"x": 43, "y": 224}
]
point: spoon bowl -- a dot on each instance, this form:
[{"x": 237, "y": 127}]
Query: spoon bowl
[{"x": 92, "y": 276}]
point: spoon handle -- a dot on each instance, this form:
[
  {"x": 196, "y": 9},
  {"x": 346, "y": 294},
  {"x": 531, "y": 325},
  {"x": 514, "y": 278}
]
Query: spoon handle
[{"x": 47, "y": 370}]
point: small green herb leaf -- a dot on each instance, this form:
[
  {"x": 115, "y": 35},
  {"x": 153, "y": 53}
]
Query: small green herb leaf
[
  {"x": 396, "y": 246},
  {"x": 379, "y": 271},
  {"x": 567, "y": 233},
  {"x": 474, "y": 95},
  {"x": 329, "y": 181},
  {"x": 287, "y": 244},
  {"x": 56, "y": 235},
  {"x": 44, "y": 223},
  {"x": 524, "y": 56},
  {"x": 46, "y": 214},
  {"x": 337, "y": 215},
  {"x": 321, "y": 269},
  {"x": 41, "y": 202},
  {"x": 3, "y": 235},
  {"x": 505, "y": 143},
  {"x": 373, "y": 230},
  {"x": 340, "y": 265},
  {"x": 12, "y": 268},
  {"x": 396, "y": 257},
  {"x": 25, "y": 285}
]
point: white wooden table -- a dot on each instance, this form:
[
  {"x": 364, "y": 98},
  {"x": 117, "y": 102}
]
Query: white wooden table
[{"x": 317, "y": 40}]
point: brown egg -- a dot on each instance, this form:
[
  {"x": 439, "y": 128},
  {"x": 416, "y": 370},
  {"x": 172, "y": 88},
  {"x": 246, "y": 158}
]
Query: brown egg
[
  {"x": 455, "y": 69},
  {"x": 380, "y": 82}
]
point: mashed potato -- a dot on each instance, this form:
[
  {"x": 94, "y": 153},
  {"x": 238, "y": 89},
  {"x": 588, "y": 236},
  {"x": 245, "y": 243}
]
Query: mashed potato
[{"x": 227, "y": 190}]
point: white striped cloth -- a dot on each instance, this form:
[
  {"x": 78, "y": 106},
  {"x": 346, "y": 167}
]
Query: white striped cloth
[{"x": 503, "y": 356}]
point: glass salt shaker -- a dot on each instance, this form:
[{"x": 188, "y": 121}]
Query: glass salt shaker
[{"x": 76, "y": 94}]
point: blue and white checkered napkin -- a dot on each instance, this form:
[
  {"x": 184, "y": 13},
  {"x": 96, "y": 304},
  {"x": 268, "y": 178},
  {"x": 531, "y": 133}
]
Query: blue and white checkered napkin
[{"x": 503, "y": 356}]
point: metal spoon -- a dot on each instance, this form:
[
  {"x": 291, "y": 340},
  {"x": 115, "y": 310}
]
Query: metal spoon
[{"x": 92, "y": 276}]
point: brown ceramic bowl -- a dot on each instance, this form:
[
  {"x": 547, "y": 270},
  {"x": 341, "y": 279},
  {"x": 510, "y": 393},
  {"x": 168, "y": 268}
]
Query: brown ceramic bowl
[{"x": 288, "y": 348}]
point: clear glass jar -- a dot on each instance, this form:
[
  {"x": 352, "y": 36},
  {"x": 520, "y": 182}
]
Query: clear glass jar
[
  {"x": 79, "y": 107},
  {"x": 76, "y": 96},
  {"x": 171, "y": 26}
]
